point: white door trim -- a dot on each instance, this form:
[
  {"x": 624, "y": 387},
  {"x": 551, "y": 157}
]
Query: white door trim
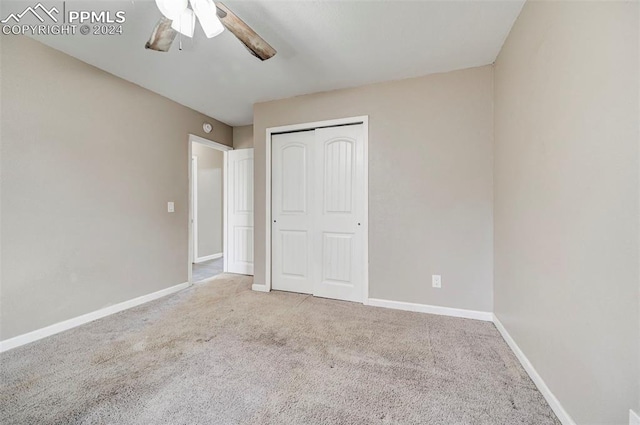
[
  {"x": 210, "y": 143},
  {"x": 224, "y": 149},
  {"x": 194, "y": 205},
  {"x": 364, "y": 119}
]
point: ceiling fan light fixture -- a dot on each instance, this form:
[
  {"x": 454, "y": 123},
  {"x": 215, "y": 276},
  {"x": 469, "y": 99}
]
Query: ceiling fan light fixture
[
  {"x": 186, "y": 23},
  {"x": 207, "y": 14},
  {"x": 172, "y": 9}
]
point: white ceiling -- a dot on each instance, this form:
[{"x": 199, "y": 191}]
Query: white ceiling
[{"x": 322, "y": 45}]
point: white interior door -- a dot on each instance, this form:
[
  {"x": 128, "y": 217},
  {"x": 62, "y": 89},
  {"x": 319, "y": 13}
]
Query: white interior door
[
  {"x": 318, "y": 212},
  {"x": 292, "y": 205},
  {"x": 240, "y": 212},
  {"x": 339, "y": 220}
]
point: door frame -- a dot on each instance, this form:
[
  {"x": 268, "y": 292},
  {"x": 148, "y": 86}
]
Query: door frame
[
  {"x": 194, "y": 203},
  {"x": 224, "y": 149},
  {"x": 364, "y": 120}
]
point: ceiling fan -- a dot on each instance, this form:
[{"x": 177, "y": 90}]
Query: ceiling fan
[{"x": 214, "y": 18}]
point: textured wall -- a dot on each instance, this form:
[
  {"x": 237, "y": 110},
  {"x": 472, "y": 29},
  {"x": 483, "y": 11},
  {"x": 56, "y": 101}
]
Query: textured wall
[
  {"x": 566, "y": 201},
  {"x": 430, "y": 182},
  {"x": 89, "y": 162},
  {"x": 243, "y": 137}
]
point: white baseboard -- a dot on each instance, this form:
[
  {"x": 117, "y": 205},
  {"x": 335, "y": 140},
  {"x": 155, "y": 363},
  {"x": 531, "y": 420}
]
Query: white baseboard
[
  {"x": 207, "y": 258},
  {"x": 634, "y": 418},
  {"x": 259, "y": 288},
  {"x": 23, "y": 339},
  {"x": 554, "y": 403},
  {"x": 431, "y": 309}
]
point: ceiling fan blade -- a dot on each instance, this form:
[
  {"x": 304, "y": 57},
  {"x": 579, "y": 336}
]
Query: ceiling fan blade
[
  {"x": 162, "y": 36},
  {"x": 252, "y": 41}
]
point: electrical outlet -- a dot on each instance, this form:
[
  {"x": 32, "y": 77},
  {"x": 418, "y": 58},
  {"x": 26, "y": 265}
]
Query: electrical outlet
[
  {"x": 436, "y": 281},
  {"x": 171, "y": 207}
]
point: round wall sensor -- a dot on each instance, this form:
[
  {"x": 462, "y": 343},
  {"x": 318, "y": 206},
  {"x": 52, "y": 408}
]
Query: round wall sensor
[{"x": 207, "y": 127}]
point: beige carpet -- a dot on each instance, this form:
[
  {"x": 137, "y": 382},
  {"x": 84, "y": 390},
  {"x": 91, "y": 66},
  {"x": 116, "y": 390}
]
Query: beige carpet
[{"x": 219, "y": 353}]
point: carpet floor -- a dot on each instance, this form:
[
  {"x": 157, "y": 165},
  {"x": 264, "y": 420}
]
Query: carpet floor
[{"x": 218, "y": 353}]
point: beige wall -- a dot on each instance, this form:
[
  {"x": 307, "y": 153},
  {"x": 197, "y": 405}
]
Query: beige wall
[
  {"x": 243, "y": 137},
  {"x": 430, "y": 182},
  {"x": 566, "y": 201},
  {"x": 89, "y": 162},
  {"x": 210, "y": 231}
]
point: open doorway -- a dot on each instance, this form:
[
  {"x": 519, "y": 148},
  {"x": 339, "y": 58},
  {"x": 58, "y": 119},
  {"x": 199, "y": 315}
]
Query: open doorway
[{"x": 207, "y": 234}]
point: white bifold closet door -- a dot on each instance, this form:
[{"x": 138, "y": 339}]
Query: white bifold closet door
[
  {"x": 318, "y": 212},
  {"x": 292, "y": 204}
]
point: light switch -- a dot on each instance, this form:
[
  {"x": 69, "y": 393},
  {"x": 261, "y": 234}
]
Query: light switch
[{"x": 170, "y": 207}]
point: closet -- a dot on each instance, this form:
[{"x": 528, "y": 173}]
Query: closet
[{"x": 318, "y": 212}]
